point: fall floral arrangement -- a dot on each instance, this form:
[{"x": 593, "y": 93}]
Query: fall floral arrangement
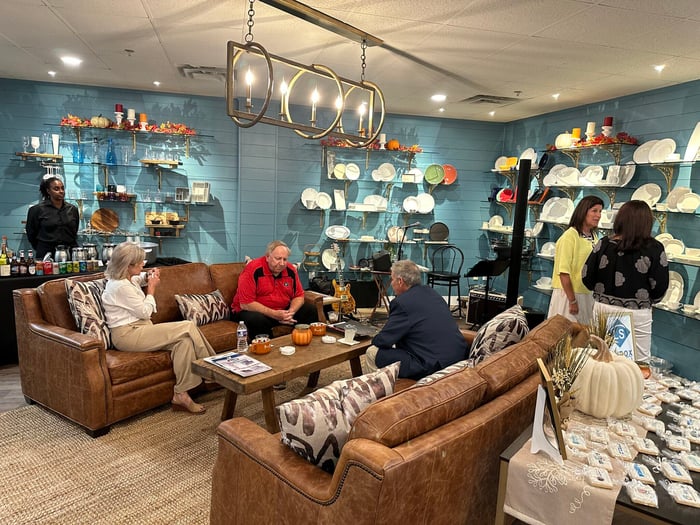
[
  {"x": 564, "y": 364},
  {"x": 598, "y": 140},
  {"x": 392, "y": 145},
  {"x": 164, "y": 127}
]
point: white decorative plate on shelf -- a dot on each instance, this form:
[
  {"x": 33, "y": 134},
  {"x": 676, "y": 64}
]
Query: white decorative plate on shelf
[
  {"x": 548, "y": 248},
  {"x": 387, "y": 172},
  {"x": 627, "y": 172},
  {"x": 339, "y": 171},
  {"x": 308, "y": 198},
  {"x": 376, "y": 176},
  {"x": 323, "y": 200},
  {"x": 330, "y": 260},
  {"x": 661, "y": 150},
  {"x": 377, "y": 201},
  {"x": 649, "y": 193},
  {"x": 352, "y": 171},
  {"x": 641, "y": 154},
  {"x": 546, "y": 215},
  {"x": 569, "y": 177},
  {"x": 561, "y": 210},
  {"x": 688, "y": 203},
  {"x": 535, "y": 231},
  {"x": 531, "y": 154},
  {"x": 675, "y": 288},
  {"x": 495, "y": 221},
  {"x": 426, "y": 202},
  {"x": 500, "y": 161},
  {"x": 337, "y": 232},
  {"x": 674, "y": 247},
  {"x": 410, "y": 204},
  {"x": 414, "y": 174},
  {"x": 593, "y": 174},
  {"x": 550, "y": 179},
  {"x": 696, "y": 301},
  {"x": 691, "y": 151},
  {"x": 674, "y": 196}
]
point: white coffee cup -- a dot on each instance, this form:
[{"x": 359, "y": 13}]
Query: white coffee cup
[{"x": 350, "y": 334}]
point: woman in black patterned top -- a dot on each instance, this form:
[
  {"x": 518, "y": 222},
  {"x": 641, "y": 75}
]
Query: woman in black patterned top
[{"x": 628, "y": 272}]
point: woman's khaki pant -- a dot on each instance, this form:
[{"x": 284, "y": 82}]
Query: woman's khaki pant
[{"x": 184, "y": 340}]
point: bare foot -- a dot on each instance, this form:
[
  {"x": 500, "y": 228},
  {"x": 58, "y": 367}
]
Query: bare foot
[{"x": 183, "y": 401}]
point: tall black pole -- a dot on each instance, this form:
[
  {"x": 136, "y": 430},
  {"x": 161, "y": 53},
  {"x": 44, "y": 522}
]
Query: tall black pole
[{"x": 518, "y": 238}]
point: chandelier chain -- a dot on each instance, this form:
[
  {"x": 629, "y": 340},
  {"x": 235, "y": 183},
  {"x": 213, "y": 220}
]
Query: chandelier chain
[
  {"x": 363, "y": 57},
  {"x": 251, "y": 22}
]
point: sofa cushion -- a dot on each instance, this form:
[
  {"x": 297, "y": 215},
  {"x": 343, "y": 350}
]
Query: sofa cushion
[
  {"x": 190, "y": 278},
  {"x": 509, "y": 367},
  {"x": 85, "y": 301},
  {"x": 317, "y": 426},
  {"x": 419, "y": 409},
  {"x": 203, "y": 308},
  {"x": 134, "y": 366},
  {"x": 506, "y": 328}
]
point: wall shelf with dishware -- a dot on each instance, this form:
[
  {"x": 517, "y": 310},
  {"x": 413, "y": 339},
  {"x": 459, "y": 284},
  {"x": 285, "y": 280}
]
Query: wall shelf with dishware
[
  {"x": 41, "y": 157},
  {"x": 617, "y": 150},
  {"x": 332, "y": 153}
]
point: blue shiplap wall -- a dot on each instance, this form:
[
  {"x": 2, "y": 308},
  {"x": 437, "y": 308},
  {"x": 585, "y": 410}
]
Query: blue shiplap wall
[
  {"x": 671, "y": 112},
  {"x": 257, "y": 176}
]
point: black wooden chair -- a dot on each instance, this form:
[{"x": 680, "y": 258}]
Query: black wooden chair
[{"x": 447, "y": 264}]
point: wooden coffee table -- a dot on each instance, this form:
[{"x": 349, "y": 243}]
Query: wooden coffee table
[{"x": 307, "y": 360}]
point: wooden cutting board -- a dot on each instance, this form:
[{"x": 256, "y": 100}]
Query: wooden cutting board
[{"x": 105, "y": 220}]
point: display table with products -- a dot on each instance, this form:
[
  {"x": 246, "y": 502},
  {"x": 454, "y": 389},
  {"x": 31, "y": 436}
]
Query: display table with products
[{"x": 534, "y": 489}]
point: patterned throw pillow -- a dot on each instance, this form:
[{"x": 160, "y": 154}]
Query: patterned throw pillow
[
  {"x": 203, "y": 308},
  {"x": 460, "y": 365},
  {"x": 317, "y": 426},
  {"x": 85, "y": 301},
  {"x": 505, "y": 329}
]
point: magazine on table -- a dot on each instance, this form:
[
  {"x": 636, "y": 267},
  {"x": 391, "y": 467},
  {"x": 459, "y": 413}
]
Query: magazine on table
[{"x": 240, "y": 364}]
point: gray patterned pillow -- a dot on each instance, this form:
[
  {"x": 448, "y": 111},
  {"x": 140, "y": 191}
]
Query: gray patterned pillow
[
  {"x": 505, "y": 329},
  {"x": 85, "y": 301},
  {"x": 317, "y": 426},
  {"x": 203, "y": 308},
  {"x": 460, "y": 365}
]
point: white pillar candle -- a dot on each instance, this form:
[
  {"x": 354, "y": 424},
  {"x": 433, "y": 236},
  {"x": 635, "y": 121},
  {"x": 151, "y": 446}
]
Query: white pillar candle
[
  {"x": 590, "y": 128},
  {"x": 131, "y": 113}
]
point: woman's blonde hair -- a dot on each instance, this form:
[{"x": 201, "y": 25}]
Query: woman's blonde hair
[{"x": 123, "y": 256}]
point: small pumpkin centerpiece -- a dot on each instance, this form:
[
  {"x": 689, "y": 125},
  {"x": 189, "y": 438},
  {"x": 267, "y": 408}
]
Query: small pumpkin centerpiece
[
  {"x": 609, "y": 384},
  {"x": 301, "y": 335}
]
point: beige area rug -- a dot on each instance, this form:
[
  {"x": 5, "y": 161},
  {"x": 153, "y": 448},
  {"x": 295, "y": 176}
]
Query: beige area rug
[{"x": 151, "y": 469}]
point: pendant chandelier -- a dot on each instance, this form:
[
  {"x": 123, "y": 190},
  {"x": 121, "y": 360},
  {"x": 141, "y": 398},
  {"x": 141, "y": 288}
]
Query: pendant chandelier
[{"x": 294, "y": 93}]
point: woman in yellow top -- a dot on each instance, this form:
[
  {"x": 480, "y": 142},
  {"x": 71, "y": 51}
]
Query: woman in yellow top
[{"x": 570, "y": 297}]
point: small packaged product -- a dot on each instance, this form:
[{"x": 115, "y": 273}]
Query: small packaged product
[
  {"x": 675, "y": 472},
  {"x": 620, "y": 451},
  {"x": 599, "y": 460},
  {"x": 650, "y": 409},
  {"x": 690, "y": 461},
  {"x": 598, "y": 435},
  {"x": 640, "y": 472},
  {"x": 622, "y": 428},
  {"x": 576, "y": 440},
  {"x": 645, "y": 446},
  {"x": 654, "y": 425},
  {"x": 684, "y": 494},
  {"x": 678, "y": 443},
  {"x": 667, "y": 397},
  {"x": 670, "y": 382},
  {"x": 692, "y": 435},
  {"x": 690, "y": 411},
  {"x": 648, "y": 397},
  {"x": 642, "y": 494},
  {"x": 598, "y": 477},
  {"x": 688, "y": 394},
  {"x": 653, "y": 386}
]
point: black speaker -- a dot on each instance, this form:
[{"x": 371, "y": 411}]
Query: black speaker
[{"x": 381, "y": 261}]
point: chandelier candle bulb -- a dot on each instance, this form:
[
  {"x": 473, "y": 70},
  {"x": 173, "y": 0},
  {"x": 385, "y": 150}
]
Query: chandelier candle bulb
[
  {"x": 249, "y": 89},
  {"x": 314, "y": 100},
  {"x": 283, "y": 96},
  {"x": 361, "y": 110}
]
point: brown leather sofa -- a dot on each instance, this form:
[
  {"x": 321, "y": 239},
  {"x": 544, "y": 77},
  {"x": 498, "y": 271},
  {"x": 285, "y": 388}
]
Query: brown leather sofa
[
  {"x": 428, "y": 454},
  {"x": 73, "y": 374}
]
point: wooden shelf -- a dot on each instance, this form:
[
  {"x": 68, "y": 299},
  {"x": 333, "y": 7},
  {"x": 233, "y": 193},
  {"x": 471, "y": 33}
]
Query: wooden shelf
[
  {"x": 160, "y": 162},
  {"x": 39, "y": 156}
]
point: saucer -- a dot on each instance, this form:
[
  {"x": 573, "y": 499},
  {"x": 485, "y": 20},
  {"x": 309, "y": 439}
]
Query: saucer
[
  {"x": 345, "y": 342},
  {"x": 287, "y": 350}
]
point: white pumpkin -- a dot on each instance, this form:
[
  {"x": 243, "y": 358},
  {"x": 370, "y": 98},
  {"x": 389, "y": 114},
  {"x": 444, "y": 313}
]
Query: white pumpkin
[
  {"x": 608, "y": 385},
  {"x": 100, "y": 122}
]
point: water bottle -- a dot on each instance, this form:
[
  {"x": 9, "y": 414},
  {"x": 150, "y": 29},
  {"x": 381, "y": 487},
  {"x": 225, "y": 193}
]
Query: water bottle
[{"x": 242, "y": 336}]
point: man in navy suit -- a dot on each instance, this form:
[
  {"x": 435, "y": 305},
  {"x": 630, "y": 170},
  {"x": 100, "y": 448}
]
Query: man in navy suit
[{"x": 420, "y": 332}]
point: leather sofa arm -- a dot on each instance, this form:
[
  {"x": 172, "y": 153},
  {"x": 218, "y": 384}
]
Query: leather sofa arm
[
  {"x": 248, "y": 452},
  {"x": 316, "y": 299},
  {"x": 469, "y": 335}
]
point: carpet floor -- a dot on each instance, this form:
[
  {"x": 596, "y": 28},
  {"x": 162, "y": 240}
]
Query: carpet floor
[{"x": 151, "y": 469}]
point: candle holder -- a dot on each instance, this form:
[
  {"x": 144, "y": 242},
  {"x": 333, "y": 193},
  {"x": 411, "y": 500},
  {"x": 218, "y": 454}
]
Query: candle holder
[
  {"x": 132, "y": 121},
  {"x": 142, "y": 126},
  {"x": 607, "y": 130},
  {"x": 118, "y": 116}
]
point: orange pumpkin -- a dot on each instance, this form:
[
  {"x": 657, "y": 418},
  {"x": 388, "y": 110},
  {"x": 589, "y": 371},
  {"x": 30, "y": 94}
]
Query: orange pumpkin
[
  {"x": 301, "y": 335},
  {"x": 393, "y": 145}
]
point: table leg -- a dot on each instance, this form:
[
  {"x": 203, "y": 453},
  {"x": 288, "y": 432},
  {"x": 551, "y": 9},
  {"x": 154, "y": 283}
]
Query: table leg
[
  {"x": 501, "y": 498},
  {"x": 312, "y": 382},
  {"x": 355, "y": 366},
  {"x": 268, "y": 398},
  {"x": 229, "y": 405}
]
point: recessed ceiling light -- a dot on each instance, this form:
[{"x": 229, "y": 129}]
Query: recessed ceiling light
[
  {"x": 492, "y": 113},
  {"x": 659, "y": 68},
  {"x": 438, "y": 97},
  {"x": 156, "y": 83},
  {"x": 72, "y": 61},
  {"x": 441, "y": 110},
  {"x": 555, "y": 96},
  {"x": 52, "y": 73}
]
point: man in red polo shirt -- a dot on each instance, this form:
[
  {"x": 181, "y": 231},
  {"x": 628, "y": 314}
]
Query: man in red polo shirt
[{"x": 270, "y": 293}]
